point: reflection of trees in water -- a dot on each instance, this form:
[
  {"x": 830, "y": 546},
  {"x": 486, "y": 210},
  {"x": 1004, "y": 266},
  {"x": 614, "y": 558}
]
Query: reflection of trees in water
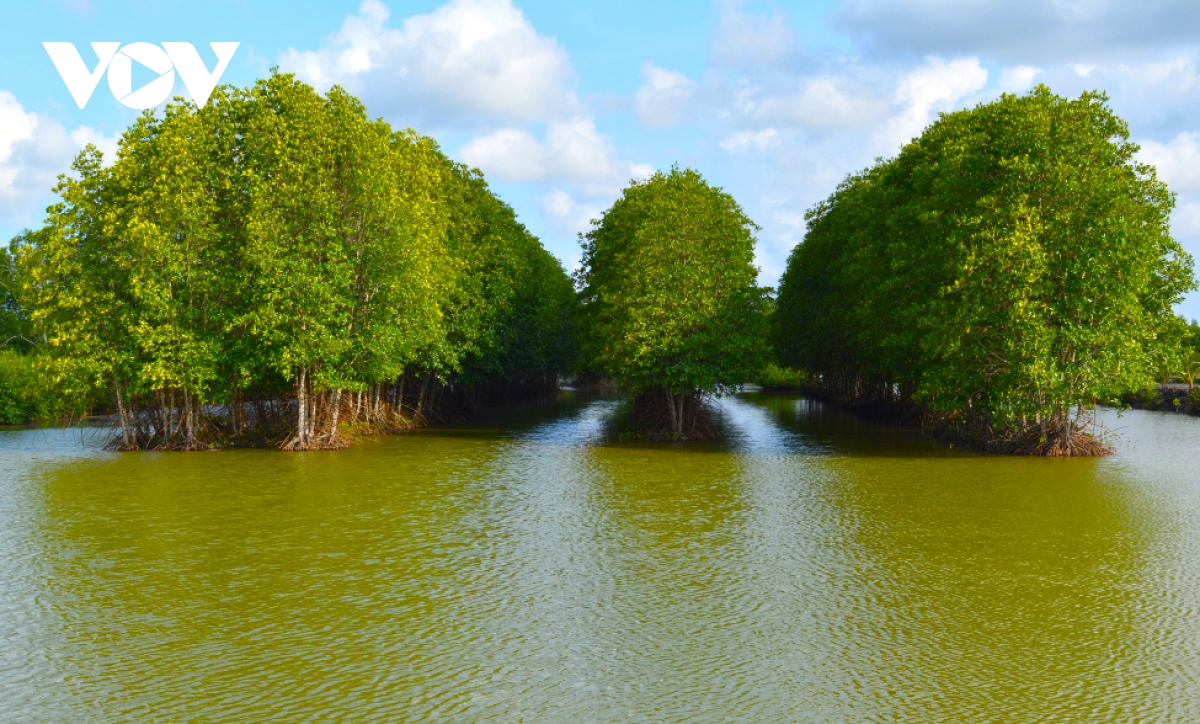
[
  {"x": 806, "y": 568},
  {"x": 984, "y": 586}
]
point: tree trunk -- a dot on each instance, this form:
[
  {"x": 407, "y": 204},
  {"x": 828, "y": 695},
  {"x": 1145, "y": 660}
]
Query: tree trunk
[
  {"x": 126, "y": 437},
  {"x": 314, "y": 411},
  {"x": 189, "y": 423},
  {"x": 232, "y": 411},
  {"x": 333, "y": 419},
  {"x": 423, "y": 394},
  {"x": 670, "y": 398},
  {"x": 679, "y": 416},
  {"x": 301, "y": 409}
]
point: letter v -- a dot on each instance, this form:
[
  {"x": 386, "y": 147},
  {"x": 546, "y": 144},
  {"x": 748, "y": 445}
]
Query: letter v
[
  {"x": 80, "y": 81},
  {"x": 196, "y": 78}
]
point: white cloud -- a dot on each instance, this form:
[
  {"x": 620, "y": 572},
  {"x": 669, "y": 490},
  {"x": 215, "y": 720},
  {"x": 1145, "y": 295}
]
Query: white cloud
[
  {"x": 1185, "y": 222},
  {"x": 572, "y": 216},
  {"x": 579, "y": 153},
  {"x": 931, "y": 88},
  {"x": 468, "y": 61},
  {"x": 34, "y": 150},
  {"x": 83, "y": 135},
  {"x": 1177, "y": 161},
  {"x": 478, "y": 70},
  {"x": 750, "y": 139},
  {"x": 565, "y": 217},
  {"x": 510, "y": 154},
  {"x": 573, "y": 152},
  {"x": 1019, "y": 78},
  {"x": 640, "y": 171},
  {"x": 15, "y": 126},
  {"x": 665, "y": 98},
  {"x": 1158, "y": 97}
]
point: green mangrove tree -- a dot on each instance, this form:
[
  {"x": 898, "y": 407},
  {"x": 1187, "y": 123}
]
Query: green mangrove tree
[
  {"x": 1008, "y": 269},
  {"x": 277, "y": 264},
  {"x": 670, "y": 305}
]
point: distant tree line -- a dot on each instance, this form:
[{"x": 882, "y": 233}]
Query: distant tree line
[{"x": 277, "y": 265}]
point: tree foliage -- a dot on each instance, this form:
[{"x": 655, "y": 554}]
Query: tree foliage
[
  {"x": 1011, "y": 267},
  {"x": 283, "y": 256},
  {"x": 670, "y": 305}
]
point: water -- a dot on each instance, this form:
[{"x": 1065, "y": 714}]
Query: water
[{"x": 531, "y": 567}]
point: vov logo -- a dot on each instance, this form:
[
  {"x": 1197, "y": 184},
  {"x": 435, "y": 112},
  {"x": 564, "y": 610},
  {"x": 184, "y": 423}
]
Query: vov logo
[{"x": 118, "y": 61}]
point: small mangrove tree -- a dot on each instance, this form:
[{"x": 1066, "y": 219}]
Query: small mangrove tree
[{"x": 670, "y": 308}]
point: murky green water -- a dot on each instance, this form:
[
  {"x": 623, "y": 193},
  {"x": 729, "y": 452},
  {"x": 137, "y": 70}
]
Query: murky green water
[{"x": 811, "y": 568}]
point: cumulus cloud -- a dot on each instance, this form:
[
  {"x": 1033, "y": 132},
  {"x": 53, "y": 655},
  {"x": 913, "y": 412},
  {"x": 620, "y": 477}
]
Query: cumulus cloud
[
  {"x": 1021, "y": 30},
  {"x": 793, "y": 125},
  {"x": 665, "y": 98},
  {"x": 565, "y": 217},
  {"x": 1178, "y": 164},
  {"x": 510, "y": 154},
  {"x": 15, "y": 126},
  {"x": 480, "y": 67},
  {"x": 468, "y": 61},
  {"x": 573, "y": 151},
  {"x": 1177, "y": 161},
  {"x": 1018, "y": 79},
  {"x": 34, "y": 150},
  {"x": 935, "y": 86},
  {"x": 83, "y": 135}
]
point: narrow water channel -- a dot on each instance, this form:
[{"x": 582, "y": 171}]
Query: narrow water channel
[{"x": 534, "y": 566}]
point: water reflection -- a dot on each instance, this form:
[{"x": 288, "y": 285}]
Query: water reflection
[{"x": 531, "y": 566}]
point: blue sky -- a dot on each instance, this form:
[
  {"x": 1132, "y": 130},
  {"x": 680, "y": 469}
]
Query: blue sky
[{"x": 561, "y": 103}]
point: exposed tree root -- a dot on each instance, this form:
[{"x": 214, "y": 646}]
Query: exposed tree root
[
  {"x": 659, "y": 415},
  {"x": 303, "y": 418},
  {"x": 1072, "y": 433}
]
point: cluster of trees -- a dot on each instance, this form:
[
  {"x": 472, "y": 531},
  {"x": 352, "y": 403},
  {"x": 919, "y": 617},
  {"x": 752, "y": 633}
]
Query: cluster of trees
[
  {"x": 277, "y": 264},
  {"x": 670, "y": 307},
  {"x": 1007, "y": 270}
]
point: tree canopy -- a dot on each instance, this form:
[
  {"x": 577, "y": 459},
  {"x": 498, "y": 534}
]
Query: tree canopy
[
  {"x": 670, "y": 304},
  {"x": 1008, "y": 269},
  {"x": 281, "y": 248}
]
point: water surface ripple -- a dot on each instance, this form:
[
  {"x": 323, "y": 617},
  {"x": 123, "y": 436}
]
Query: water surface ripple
[{"x": 533, "y": 566}]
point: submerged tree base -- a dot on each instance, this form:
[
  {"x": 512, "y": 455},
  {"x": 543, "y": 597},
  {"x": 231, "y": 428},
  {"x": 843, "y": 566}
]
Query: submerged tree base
[
  {"x": 659, "y": 416},
  {"x": 1076, "y": 435},
  {"x": 329, "y": 421},
  {"x": 1035, "y": 443}
]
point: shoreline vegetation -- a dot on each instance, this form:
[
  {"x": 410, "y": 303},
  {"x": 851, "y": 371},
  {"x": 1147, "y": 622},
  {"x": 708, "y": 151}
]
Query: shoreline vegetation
[{"x": 277, "y": 269}]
